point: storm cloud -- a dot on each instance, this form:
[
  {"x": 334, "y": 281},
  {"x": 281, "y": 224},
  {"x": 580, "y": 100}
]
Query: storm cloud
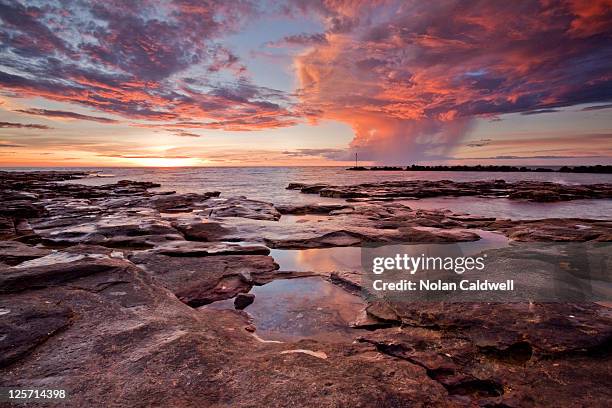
[
  {"x": 64, "y": 115},
  {"x": 410, "y": 76},
  {"x": 14, "y": 125}
]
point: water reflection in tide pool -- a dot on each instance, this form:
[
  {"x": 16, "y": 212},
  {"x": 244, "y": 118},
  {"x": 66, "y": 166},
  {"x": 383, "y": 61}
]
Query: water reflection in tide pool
[
  {"x": 337, "y": 259},
  {"x": 308, "y": 218},
  {"x": 318, "y": 260},
  {"x": 292, "y": 309}
]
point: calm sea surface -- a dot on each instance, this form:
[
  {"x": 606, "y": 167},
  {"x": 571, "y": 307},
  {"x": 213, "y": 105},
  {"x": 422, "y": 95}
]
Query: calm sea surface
[{"x": 269, "y": 184}]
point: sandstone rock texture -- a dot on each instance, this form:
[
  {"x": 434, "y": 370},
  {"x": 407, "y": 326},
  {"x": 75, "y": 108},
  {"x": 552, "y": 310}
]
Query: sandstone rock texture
[{"x": 101, "y": 288}]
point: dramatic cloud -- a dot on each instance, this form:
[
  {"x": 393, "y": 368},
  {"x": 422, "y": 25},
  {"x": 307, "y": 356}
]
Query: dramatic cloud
[
  {"x": 65, "y": 115},
  {"x": 597, "y": 107},
  {"x": 6, "y": 144},
  {"x": 145, "y": 156},
  {"x": 587, "y": 145},
  {"x": 479, "y": 143},
  {"x": 153, "y": 60},
  {"x": 182, "y": 133},
  {"x": 332, "y": 154},
  {"x": 23, "y": 126},
  {"x": 537, "y": 112},
  {"x": 300, "y": 40},
  {"x": 410, "y": 76}
]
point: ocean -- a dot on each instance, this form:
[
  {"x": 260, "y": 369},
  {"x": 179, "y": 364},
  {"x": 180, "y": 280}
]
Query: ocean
[{"x": 269, "y": 184}]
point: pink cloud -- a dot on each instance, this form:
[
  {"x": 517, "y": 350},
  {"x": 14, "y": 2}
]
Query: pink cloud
[{"x": 410, "y": 76}]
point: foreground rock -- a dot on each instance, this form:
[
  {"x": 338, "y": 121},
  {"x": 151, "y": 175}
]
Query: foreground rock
[
  {"x": 87, "y": 324},
  {"x": 198, "y": 281},
  {"x": 506, "y": 355},
  {"x": 111, "y": 332},
  {"x": 501, "y": 353},
  {"x": 27, "y": 323}
]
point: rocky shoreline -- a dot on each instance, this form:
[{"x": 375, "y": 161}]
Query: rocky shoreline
[
  {"x": 538, "y": 191},
  {"x": 595, "y": 169},
  {"x": 101, "y": 288}
]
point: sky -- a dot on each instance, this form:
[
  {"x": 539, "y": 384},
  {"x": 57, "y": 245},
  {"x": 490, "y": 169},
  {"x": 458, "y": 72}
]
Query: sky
[{"x": 301, "y": 82}]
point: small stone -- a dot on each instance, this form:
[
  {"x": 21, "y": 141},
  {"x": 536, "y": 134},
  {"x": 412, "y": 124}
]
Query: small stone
[{"x": 242, "y": 300}]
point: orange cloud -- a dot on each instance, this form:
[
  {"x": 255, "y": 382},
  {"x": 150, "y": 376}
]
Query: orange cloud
[{"x": 410, "y": 76}]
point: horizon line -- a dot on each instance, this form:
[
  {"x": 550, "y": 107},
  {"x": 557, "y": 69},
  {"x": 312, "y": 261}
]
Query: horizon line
[{"x": 297, "y": 166}]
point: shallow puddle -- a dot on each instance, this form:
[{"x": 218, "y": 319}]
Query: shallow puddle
[
  {"x": 306, "y": 218},
  {"x": 350, "y": 258},
  {"x": 293, "y": 309},
  {"x": 318, "y": 260}
]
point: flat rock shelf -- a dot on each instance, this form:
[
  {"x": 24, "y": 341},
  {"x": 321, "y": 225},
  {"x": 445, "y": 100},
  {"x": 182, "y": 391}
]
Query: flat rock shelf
[{"x": 128, "y": 293}]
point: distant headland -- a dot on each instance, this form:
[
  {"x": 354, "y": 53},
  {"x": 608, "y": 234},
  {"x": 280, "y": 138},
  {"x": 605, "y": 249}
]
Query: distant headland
[{"x": 601, "y": 169}]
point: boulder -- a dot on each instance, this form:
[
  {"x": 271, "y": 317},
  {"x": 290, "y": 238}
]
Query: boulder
[{"x": 242, "y": 300}]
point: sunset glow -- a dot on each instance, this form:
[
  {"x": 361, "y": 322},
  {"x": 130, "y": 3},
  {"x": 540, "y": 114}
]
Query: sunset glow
[
  {"x": 176, "y": 83},
  {"x": 163, "y": 162}
]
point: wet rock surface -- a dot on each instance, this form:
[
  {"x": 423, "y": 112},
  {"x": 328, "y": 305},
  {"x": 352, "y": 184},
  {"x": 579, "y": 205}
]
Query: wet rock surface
[{"x": 99, "y": 284}]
